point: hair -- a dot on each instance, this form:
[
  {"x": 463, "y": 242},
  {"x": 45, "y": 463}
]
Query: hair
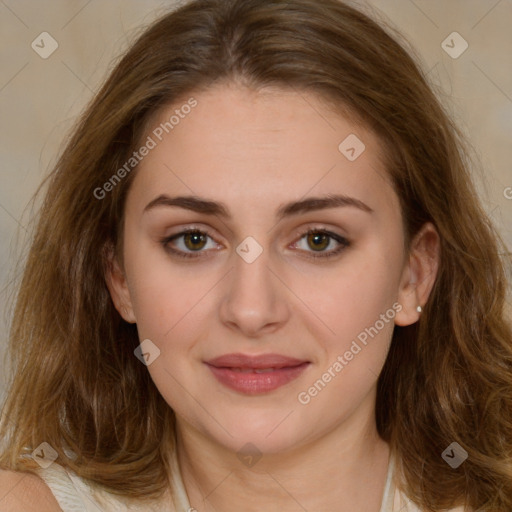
[{"x": 75, "y": 381}]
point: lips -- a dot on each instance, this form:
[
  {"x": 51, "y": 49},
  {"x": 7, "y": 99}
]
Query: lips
[
  {"x": 256, "y": 374},
  {"x": 255, "y": 362}
]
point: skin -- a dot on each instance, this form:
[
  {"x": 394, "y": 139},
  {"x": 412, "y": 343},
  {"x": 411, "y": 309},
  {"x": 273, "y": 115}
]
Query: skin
[{"x": 254, "y": 151}]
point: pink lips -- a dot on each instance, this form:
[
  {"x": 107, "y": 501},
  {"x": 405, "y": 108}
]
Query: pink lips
[{"x": 254, "y": 375}]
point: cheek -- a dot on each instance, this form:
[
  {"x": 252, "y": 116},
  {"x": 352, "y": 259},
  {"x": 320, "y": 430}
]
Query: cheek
[
  {"x": 353, "y": 296},
  {"x": 169, "y": 307},
  {"x": 359, "y": 308},
  {"x": 161, "y": 292},
  {"x": 172, "y": 310},
  {"x": 358, "y": 304}
]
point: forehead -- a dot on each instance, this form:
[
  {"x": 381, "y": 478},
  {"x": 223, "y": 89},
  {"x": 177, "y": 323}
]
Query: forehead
[{"x": 238, "y": 144}]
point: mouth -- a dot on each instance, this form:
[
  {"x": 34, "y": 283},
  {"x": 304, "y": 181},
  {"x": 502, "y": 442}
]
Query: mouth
[
  {"x": 254, "y": 375},
  {"x": 254, "y": 370}
]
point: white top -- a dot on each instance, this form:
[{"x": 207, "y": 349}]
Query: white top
[{"x": 75, "y": 495}]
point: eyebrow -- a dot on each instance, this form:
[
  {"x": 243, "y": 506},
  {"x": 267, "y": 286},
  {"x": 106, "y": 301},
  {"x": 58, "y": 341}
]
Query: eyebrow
[{"x": 204, "y": 206}]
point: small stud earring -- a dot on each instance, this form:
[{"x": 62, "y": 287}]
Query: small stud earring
[{"x": 418, "y": 309}]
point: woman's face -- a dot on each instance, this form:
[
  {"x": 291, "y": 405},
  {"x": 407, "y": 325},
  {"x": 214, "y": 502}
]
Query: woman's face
[{"x": 314, "y": 314}]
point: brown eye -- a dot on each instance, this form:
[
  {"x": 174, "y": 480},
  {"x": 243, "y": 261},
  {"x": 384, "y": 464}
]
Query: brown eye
[
  {"x": 187, "y": 244},
  {"x": 194, "y": 240},
  {"x": 318, "y": 240}
]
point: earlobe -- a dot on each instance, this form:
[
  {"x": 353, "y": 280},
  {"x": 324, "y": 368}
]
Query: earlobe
[
  {"x": 419, "y": 275},
  {"x": 117, "y": 285}
]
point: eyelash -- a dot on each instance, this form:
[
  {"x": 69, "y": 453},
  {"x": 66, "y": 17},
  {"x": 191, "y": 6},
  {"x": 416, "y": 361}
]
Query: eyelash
[{"x": 344, "y": 243}]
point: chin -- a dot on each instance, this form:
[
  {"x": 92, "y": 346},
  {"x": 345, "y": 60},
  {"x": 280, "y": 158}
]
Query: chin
[{"x": 270, "y": 432}]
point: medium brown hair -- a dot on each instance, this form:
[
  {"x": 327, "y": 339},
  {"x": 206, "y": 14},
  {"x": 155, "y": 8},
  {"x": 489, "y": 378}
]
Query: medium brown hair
[{"x": 76, "y": 383}]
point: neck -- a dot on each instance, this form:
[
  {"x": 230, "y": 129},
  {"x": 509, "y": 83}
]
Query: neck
[{"x": 344, "y": 470}]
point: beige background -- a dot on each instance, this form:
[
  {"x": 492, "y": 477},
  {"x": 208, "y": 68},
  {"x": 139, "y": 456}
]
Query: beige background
[{"x": 40, "y": 98}]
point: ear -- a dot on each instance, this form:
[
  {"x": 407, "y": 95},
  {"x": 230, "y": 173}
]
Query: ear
[
  {"x": 117, "y": 285},
  {"x": 419, "y": 274}
]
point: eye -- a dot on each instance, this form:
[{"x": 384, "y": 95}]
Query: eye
[
  {"x": 320, "y": 239},
  {"x": 193, "y": 241}
]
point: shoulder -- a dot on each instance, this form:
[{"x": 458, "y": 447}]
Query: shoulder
[{"x": 25, "y": 491}]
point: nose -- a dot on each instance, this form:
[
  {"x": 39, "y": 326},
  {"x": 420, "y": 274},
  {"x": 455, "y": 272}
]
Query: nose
[{"x": 256, "y": 299}]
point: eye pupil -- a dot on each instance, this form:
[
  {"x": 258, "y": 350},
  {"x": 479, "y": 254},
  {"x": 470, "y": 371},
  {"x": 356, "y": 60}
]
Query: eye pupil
[
  {"x": 318, "y": 237},
  {"x": 194, "y": 237}
]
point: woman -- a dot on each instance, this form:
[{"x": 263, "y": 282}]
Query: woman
[{"x": 261, "y": 281}]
